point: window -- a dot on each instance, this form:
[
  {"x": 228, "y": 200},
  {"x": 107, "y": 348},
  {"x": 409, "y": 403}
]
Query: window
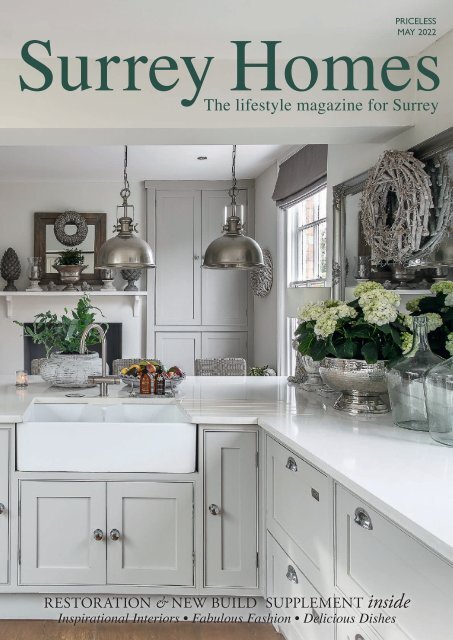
[{"x": 307, "y": 255}]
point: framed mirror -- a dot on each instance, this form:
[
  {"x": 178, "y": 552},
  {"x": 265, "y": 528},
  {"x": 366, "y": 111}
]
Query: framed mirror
[
  {"x": 87, "y": 239},
  {"x": 349, "y": 242}
]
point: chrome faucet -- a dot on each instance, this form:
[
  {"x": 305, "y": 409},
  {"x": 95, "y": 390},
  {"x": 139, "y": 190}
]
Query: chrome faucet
[{"x": 103, "y": 380}]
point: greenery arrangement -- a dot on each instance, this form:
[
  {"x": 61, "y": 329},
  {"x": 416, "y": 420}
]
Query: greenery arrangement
[
  {"x": 63, "y": 334},
  {"x": 70, "y": 257},
  {"x": 368, "y": 328},
  {"x": 261, "y": 371},
  {"x": 439, "y": 310}
]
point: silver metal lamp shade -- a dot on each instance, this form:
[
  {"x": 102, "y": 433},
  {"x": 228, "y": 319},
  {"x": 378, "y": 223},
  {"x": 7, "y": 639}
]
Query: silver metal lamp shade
[
  {"x": 126, "y": 251},
  {"x": 233, "y": 250}
]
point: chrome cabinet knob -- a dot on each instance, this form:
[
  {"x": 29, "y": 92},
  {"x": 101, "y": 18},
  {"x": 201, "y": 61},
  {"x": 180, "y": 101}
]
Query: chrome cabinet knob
[
  {"x": 214, "y": 510},
  {"x": 2, "y": 509},
  {"x": 115, "y": 534},
  {"x": 98, "y": 534},
  {"x": 196, "y": 257},
  {"x": 292, "y": 575},
  {"x": 362, "y": 518},
  {"x": 291, "y": 464}
]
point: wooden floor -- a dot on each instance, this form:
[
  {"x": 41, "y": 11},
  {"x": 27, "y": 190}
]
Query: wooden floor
[{"x": 47, "y": 630}]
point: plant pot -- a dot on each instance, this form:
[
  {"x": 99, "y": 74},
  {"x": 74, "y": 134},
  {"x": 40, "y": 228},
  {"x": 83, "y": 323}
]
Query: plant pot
[
  {"x": 70, "y": 274},
  {"x": 361, "y": 384},
  {"x": 71, "y": 370}
]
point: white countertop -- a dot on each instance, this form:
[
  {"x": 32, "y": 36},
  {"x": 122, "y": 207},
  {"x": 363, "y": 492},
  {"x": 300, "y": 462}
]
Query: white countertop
[{"x": 403, "y": 474}]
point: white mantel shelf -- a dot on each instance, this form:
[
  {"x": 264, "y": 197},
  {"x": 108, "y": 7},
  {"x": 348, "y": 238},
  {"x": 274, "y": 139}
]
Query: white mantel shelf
[{"x": 135, "y": 296}]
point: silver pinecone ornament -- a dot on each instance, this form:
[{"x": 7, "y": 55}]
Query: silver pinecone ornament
[{"x": 10, "y": 269}]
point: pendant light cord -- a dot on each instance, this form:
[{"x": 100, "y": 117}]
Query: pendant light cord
[
  {"x": 234, "y": 190},
  {"x": 125, "y": 191}
]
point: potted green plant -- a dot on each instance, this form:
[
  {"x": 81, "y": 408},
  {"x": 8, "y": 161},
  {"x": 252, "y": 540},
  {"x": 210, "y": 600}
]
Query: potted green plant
[
  {"x": 70, "y": 265},
  {"x": 353, "y": 341},
  {"x": 60, "y": 336}
]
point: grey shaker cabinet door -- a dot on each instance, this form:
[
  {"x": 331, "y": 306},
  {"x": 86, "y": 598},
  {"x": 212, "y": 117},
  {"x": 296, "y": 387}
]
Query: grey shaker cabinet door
[
  {"x": 178, "y": 257},
  {"x": 150, "y": 533},
  {"x": 60, "y": 522},
  {"x": 4, "y": 510},
  {"x": 230, "y": 531}
]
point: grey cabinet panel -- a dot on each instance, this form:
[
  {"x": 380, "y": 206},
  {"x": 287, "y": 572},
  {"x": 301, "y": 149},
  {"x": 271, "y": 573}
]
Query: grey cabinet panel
[
  {"x": 155, "y": 533},
  {"x": 179, "y": 348},
  {"x": 178, "y": 257},
  {"x": 57, "y": 532},
  {"x": 224, "y": 344},
  {"x": 231, "y": 485},
  {"x": 4, "y": 500}
]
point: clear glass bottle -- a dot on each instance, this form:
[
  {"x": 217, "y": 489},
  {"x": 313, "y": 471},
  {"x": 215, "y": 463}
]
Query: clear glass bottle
[
  {"x": 406, "y": 378},
  {"x": 439, "y": 402}
]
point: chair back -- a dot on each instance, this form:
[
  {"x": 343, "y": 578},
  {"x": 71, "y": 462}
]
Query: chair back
[
  {"x": 220, "y": 367},
  {"x": 121, "y": 363}
]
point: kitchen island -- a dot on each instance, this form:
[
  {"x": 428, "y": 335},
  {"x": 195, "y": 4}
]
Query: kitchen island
[{"x": 283, "y": 483}]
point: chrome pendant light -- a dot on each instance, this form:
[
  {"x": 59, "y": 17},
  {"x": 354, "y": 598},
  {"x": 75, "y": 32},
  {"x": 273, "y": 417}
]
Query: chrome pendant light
[
  {"x": 125, "y": 250},
  {"x": 233, "y": 250}
]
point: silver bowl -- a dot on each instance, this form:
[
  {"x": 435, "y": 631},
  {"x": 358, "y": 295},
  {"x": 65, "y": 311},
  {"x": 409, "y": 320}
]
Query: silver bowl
[{"x": 361, "y": 384}]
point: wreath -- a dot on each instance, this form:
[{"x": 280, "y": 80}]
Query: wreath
[
  {"x": 261, "y": 279},
  {"x": 70, "y": 217},
  {"x": 401, "y": 221}
]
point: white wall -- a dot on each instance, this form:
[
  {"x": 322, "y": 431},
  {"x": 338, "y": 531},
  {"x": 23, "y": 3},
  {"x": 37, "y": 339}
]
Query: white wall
[
  {"x": 18, "y": 202},
  {"x": 265, "y": 322}
]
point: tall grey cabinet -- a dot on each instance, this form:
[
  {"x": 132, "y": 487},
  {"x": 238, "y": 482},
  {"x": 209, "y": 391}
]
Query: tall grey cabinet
[{"x": 195, "y": 312}]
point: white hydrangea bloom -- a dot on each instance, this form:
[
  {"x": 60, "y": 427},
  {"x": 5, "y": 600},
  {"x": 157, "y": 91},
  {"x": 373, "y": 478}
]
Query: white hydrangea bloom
[
  {"x": 379, "y": 306},
  {"x": 449, "y": 344},
  {"x": 445, "y": 286},
  {"x": 449, "y": 300},
  {"x": 326, "y": 323},
  {"x": 364, "y": 287}
]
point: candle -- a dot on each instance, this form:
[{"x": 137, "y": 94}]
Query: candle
[{"x": 21, "y": 379}]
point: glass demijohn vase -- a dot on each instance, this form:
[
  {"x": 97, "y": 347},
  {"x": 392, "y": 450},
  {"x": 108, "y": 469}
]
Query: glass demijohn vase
[
  {"x": 439, "y": 402},
  {"x": 406, "y": 378}
]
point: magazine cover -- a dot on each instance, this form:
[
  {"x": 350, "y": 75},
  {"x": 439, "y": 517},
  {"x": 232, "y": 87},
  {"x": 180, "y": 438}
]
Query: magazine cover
[{"x": 226, "y": 320}]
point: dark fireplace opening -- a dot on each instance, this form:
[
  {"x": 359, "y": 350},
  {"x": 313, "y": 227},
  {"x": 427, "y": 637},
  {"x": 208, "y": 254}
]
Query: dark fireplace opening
[{"x": 114, "y": 346}]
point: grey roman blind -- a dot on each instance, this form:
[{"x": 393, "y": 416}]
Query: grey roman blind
[{"x": 301, "y": 174}]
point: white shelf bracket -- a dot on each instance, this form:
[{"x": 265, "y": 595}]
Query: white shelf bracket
[
  {"x": 9, "y": 306},
  {"x": 136, "y": 306}
]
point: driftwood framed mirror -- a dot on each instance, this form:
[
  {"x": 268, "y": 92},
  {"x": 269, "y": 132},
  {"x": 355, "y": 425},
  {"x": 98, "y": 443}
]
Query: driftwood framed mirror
[
  {"x": 48, "y": 246},
  {"x": 348, "y": 238}
]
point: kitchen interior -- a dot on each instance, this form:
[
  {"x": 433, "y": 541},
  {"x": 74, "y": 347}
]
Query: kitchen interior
[{"x": 220, "y": 376}]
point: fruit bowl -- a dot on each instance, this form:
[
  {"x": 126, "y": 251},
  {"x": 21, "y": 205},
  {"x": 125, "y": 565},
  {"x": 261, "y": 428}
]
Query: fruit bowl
[{"x": 134, "y": 381}]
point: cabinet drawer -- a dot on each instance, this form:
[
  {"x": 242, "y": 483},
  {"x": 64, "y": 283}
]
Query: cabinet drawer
[
  {"x": 285, "y": 579},
  {"x": 376, "y": 557},
  {"x": 4, "y": 515},
  {"x": 300, "y": 512}
]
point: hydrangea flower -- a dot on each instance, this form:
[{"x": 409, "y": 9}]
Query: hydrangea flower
[
  {"x": 449, "y": 344},
  {"x": 327, "y": 323},
  {"x": 412, "y": 305},
  {"x": 445, "y": 286},
  {"x": 379, "y": 306},
  {"x": 310, "y": 311},
  {"x": 365, "y": 287},
  {"x": 407, "y": 340},
  {"x": 449, "y": 300}
]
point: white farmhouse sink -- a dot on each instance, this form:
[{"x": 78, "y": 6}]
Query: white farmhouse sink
[{"x": 153, "y": 438}]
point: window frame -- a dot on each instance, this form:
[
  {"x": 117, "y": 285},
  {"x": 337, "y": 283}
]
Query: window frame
[{"x": 294, "y": 232}]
